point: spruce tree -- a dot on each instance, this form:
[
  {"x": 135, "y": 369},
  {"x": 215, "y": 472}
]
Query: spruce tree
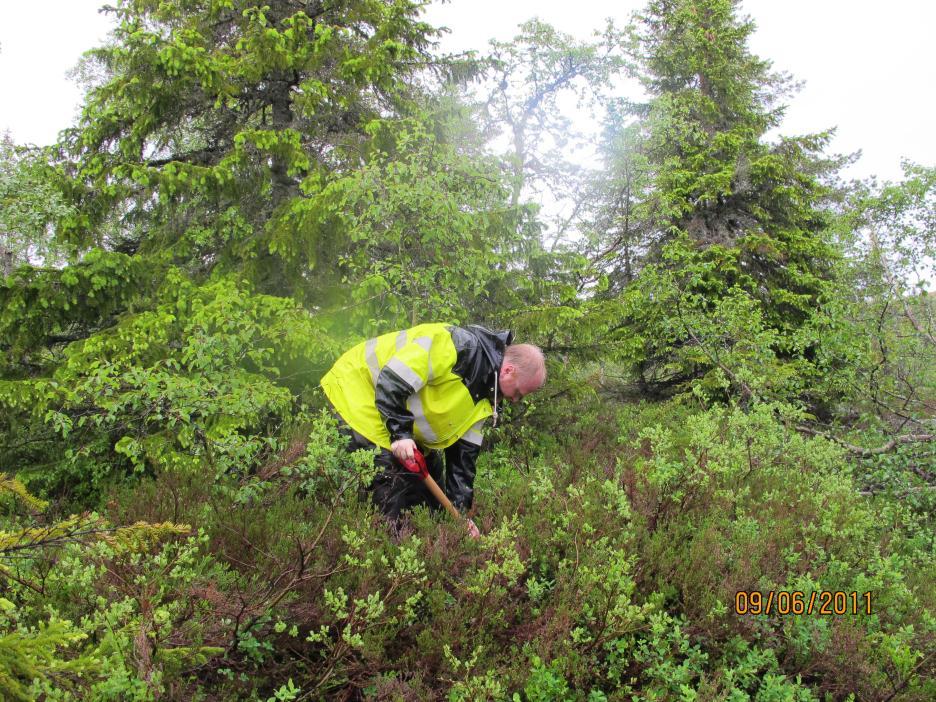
[
  {"x": 217, "y": 118},
  {"x": 733, "y": 215}
]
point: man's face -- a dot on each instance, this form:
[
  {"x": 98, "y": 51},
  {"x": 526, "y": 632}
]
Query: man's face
[{"x": 515, "y": 386}]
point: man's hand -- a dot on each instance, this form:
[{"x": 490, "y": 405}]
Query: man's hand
[
  {"x": 473, "y": 531},
  {"x": 403, "y": 449}
]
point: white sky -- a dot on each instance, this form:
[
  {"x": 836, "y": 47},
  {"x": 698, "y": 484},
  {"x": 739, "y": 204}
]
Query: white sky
[{"x": 869, "y": 67}]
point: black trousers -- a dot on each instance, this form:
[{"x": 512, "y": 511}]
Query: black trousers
[{"x": 395, "y": 489}]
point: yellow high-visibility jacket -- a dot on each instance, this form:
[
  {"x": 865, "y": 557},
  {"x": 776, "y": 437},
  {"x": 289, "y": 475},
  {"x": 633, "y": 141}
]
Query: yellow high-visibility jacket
[{"x": 431, "y": 382}]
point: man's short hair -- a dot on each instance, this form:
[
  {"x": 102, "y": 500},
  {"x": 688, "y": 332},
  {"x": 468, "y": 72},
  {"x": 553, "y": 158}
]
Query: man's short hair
[{"x": 528, "y": 360}]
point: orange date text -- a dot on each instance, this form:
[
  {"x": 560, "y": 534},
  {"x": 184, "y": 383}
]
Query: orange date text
[{"x": 823, "y": 602}]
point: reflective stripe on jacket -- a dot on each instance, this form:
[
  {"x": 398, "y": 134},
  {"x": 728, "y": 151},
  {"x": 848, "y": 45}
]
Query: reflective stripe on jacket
[{"x": 429, "y": 382}]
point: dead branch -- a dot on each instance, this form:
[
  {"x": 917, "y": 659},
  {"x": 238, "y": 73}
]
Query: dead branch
[{"x": 867, "y": 452}]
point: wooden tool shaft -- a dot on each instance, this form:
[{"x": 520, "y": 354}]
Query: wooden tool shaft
[{"x": 440, "y": 496}]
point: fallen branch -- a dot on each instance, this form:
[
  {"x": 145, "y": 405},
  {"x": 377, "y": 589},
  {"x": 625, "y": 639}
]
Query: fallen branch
[{"x": 866, "y": 452}]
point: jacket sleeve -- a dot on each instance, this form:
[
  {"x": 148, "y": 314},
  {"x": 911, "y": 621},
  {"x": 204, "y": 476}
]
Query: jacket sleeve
[{"x": 391, "y": 392}]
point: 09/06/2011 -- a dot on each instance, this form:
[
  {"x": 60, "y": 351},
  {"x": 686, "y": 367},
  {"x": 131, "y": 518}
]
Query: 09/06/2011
[{"x": 825, "y": 602}]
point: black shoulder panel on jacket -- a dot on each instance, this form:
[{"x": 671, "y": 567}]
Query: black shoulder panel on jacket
[{"x": 479, "y": 355}]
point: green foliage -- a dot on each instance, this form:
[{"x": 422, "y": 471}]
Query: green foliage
[
  {"x": 733, "y": 501},
  {"x": 426, "y": 234},
  {"x": 252, "y": 188},
  {"x": 42, "y": 652},
  {"x": 28, "y": 204},
  {"x": 190, "y": 382},
  {"x": 879, "y": 319},
  {"x": 45, "y": 308},
  {"x": 29, "y": 654},
  {"x": 215, "y": 122},
  {"x": 726, "y": 226},
  {"x": 16, "y": 489}
]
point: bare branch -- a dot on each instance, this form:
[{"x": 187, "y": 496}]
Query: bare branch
[{"x": 866, "y": 452}]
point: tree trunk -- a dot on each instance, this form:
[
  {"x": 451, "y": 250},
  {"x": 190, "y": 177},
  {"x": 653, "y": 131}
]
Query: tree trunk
[{"x": 6, "y": 260}]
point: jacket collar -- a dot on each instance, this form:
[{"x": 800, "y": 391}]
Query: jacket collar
[{"x": 492, "y": 345}]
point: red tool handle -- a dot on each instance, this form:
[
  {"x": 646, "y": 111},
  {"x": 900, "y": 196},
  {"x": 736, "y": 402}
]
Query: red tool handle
[{"x": 417, "y": 464}]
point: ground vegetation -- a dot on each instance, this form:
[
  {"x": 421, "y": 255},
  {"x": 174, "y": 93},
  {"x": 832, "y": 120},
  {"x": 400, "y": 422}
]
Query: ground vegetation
[{"x": 726, "y": 490}]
